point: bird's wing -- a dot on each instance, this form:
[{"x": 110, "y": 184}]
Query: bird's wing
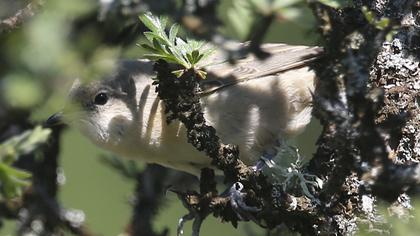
[{"x": 283, "y": 57}]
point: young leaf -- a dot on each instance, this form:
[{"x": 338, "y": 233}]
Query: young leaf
[
  {"x": 173, "y": 32},
  {"x": 178, "y": 73},
  {"x": 171, "y": 48},
  {"x": 12, "y": 180}
]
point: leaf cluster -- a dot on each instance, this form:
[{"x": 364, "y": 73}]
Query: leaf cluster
[
  {"x": 381, "y": 23},
  {"x": 13, "y": 180},
  {"x": 171, "y": 48}
]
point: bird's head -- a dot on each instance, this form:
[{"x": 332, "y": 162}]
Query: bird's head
[{"x": 100, "y": 110}]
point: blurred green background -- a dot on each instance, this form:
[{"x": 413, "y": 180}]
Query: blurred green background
[{"x": 44, "y": 57}]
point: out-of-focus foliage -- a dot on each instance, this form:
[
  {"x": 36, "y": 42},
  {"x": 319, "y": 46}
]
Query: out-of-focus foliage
[
  {"x": 243, "y": 14},
  {"x": 128, "y": 168},
  {"x": 47, "y": 53},
  {"x": 13, "y": 180},
  {"x": 380, "y": 24},
  {"x": 408, "y": 225},
  {"x": 20, "y": 91},
  {"x": 401, "y": 223},
  {"x": 336, "y": 3}
]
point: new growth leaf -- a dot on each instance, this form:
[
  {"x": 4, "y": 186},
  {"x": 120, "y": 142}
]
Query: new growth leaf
[
  {"x": 170, "y": 48},
  {"x": 13, "y": 180}
]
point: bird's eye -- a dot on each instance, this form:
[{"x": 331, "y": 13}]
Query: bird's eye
[{"x": 101, "y": 99}]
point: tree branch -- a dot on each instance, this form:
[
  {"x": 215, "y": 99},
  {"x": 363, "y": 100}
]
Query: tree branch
[{"x": 21, "y": 16}]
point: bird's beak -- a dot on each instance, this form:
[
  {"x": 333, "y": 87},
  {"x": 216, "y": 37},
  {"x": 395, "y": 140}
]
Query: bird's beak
[{"x": 54, "y": 120}]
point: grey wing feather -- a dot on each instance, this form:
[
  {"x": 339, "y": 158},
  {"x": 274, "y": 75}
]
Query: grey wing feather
[{"x": 283, "y": 57}]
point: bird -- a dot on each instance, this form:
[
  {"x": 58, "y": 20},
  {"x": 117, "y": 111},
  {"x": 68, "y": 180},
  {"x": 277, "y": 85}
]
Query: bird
[{"x": 252, "y": 104}]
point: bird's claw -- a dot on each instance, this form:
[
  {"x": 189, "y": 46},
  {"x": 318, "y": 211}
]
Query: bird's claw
[
  {"x": 242, "y": 210},
  {"x": 182, "y": 221},
  {"x": 198, "y": 220},
  {"x": 265, "y": 160}
]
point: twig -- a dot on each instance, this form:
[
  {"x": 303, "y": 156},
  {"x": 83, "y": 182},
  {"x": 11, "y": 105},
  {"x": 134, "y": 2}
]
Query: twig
[{"x": 21, "y": 16}]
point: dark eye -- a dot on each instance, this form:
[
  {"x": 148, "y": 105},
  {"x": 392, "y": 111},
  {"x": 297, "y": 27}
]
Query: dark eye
[{"x": 101, "y": 99}]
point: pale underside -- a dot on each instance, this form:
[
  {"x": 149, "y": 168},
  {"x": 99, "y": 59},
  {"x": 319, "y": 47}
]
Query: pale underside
[{"x": 272, "y": 100}]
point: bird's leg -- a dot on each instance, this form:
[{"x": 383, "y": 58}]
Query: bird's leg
[
  {"x": 198, "y": 220},
  {"x": 267, "y": 158},
  {"x": 182, "y": 221},
  {"x": 235, "y": 197},
  {"x": 237, "y": 201},
  {"x": 190, "y": 201},
  {"x": 198, "y": 203}
]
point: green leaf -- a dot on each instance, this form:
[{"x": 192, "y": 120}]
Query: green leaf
[
  {"x": 170, "y": 48},
  {"x": 23, "y": 143},
  {"x": 335, "y": 3},
  {"x": 190, "y": 58},
  {"x": 195, "y": 54},
  {"x": 13, "y": 180},
  {"x": 173, "y": 32},
  {"x": 240, "y": 17},
  {"x": 149, "y": 36},
  {"x": 162, "y": 22},
  {"x": 148, "y": 47},
  {"x": 167, "y": 58},
  {"x": 148, "y": 20},
  {"x": 37, "y": 137},
  {"x": 157, "y": 46},
  {"x": 207, "y": 52},
  {"x": 152, "y": 36},
  {"x": 382, "y": 23},
  {"x": 202, "y": 74},
  {"x": 178, "y": 73},
  {"x": 368, "y": 15}
]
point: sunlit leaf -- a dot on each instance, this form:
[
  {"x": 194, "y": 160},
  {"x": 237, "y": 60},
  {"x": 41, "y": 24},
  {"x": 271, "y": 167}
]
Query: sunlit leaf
[
  {"x": 170, "y": 48},
  {"x": 370, "y": 17},
  {"x": 35, "y": 138},
  {"x": 24, "y": 143},
  {"x": 13, "y": 180},
  {"x": 178, "y": 73},
  {"x": 382, "y": 23},
  {"x": 173, "y": 32}
]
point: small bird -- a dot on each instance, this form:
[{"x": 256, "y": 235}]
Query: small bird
[{"x": 251, "y": 104}]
